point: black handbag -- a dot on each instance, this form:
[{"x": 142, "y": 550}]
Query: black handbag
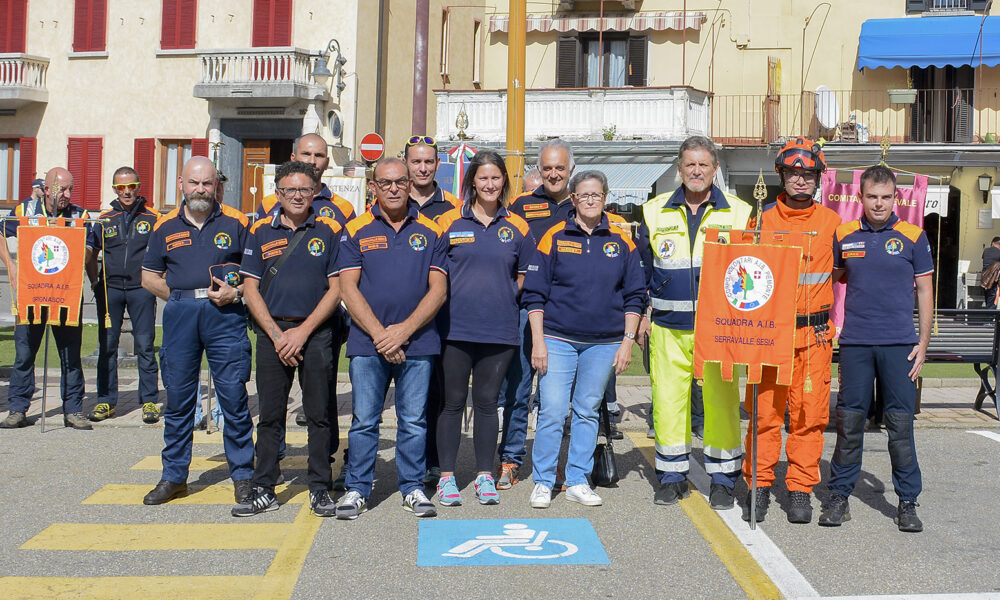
[{"x": 605, "y": 473}]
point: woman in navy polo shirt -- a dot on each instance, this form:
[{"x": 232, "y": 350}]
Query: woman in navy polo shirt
[
  {"x": 488, "y": 251},
  {"x": 584, "y": 292}
]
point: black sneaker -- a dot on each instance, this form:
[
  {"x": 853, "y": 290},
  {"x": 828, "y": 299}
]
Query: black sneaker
[
  {"x": 763, "y": 501},
  {"x": 259, "y": 501},
  {"x": 906, "y": 517},
  {"x": 799, "y": 508},
  {"x": 164, "y": 492},
  {"x": 671, "y": 492},
  {"x": 720, "y": 497},
  {"x": 616, "y": 434},
  {"x": 14, "y": 420},
  {"x": 837, "y": 512},
  {"x": 242, "y": 490},
  {"x": 322, "y": 504}
]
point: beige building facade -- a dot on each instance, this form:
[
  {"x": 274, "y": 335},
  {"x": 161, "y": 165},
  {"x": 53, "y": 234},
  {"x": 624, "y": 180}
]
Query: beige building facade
[
  {"x": 147, "y": 83},
  {"x": 627, "y": 87}
]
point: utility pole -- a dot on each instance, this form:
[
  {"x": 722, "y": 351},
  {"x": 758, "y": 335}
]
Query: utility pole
[
  {"x": 515, "y": 94},
  {"x": 419, "y": 120}
]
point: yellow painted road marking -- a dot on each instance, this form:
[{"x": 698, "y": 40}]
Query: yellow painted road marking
[
  {"x": 207, "y": 463},
  {"x": 204, "y": 587},
  {"x": 292, "y": 438},
  {"x": 741, "y": 565},
  {"x": 130, "y": 493},
  {"x": 157, "y": 536},
  {"x": 279, "y": 581}
]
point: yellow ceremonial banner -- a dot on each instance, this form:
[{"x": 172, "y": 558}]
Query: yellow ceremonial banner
[
  {"x": 50, "y": 267},
  {"x": 746, "y": 305}
]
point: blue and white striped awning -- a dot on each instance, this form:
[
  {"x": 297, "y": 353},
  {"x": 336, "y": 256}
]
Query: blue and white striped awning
[{"x": 629, "y": 183}]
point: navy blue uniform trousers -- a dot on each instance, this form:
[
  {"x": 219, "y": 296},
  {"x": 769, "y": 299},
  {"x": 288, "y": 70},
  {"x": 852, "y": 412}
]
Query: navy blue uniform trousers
[
  {"x": 859, "y": 366},
  {"x": 141, "y": 306},
  {"x": 27, "y": 340},
  {"x": 191, "y": 326}
]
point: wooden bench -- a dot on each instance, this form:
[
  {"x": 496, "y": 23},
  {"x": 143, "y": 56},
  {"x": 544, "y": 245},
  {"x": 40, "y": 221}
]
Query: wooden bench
[{"x": 967, "y": 336}]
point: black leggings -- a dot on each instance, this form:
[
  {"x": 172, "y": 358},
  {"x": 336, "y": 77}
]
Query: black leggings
[{"x": 487, "y": 363}]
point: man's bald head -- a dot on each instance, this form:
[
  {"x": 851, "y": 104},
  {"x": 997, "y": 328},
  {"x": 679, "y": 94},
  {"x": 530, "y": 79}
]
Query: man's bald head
[
  {"x": 312, "y": 149},
  {"x": 58, "y": 189},
  {"x": 198, "y": 182}
]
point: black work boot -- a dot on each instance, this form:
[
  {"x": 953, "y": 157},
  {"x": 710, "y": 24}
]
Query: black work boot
[
  {"x": 799, "y": 508},
  {"x": 670, "y": 493},
  {"x": 837, "y": 512},
  {"x": 906, "y": 517},
  {"x": 763, "y": 501},
  {"x": 720, "y": 497}
]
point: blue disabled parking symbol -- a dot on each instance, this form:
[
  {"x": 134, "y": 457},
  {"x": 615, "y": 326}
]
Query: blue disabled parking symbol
[{"x": 509, "y": 542}]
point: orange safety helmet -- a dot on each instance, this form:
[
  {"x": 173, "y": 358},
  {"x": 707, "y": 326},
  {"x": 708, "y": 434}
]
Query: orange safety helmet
[{"x": 800, "y": 153}]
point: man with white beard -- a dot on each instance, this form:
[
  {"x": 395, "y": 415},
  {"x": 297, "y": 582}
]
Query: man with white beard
[{"x": 192, "y": 262}]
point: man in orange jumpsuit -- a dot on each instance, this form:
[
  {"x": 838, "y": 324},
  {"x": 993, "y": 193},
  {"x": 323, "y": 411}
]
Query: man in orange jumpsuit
[{"x": 799, "y": 164}]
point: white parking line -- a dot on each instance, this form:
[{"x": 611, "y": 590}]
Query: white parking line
[
  {"x": 988, "y": 434},
  {"x": 771, "y": 559},
  {"x": 971, "y": 596}
]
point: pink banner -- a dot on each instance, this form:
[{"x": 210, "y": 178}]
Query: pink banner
[{"x": 845, "y": 200}]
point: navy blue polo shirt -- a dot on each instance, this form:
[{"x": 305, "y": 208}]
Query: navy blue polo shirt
[
  {"x": 585, "y": 283},
  {"x": 394, "y": 269},
  {"x": 439, "y": 203},
  {"x": 880, "y": 266},
  {"x": 540, "y": 211},
  {"x": 123, "y": 240},
  {"x": 303, "y": 279},
  {"x": 483, "y": 264},
  {"x": 185, "y": 253}
]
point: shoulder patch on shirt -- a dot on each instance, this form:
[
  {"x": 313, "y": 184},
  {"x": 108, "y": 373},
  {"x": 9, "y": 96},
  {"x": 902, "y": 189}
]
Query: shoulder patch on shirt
[
  {"x": 847, "y": 228},
  {"x": 569, "y": 249},
  {"x": 272, "y": 253},
  {"x": 178, "y": 244},
  {"x": 853, "y": 246},
  {"x": 911, "y": 231},
  {"x": 537, "y": 214},
  {"x": 520, "y": 223},
  {"x": 536, "y": 206},
  {"x": 274, "y": 244},
  {"x": 853, "y": 254},
  {"x": 375, "y": 242},
  {"x": 355, "y": 224}
]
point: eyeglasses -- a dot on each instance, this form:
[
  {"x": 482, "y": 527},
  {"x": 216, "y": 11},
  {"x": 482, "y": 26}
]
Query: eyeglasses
[
  {"x": 290, "y": 192},
  {"x": 385, "y": 184},
  {"x": 589, "y": 197},
  {"x": 422, "y": 139},
  {"x": 121, "y": 187}
]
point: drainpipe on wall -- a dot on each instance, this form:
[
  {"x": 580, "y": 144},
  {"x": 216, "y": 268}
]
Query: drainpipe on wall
[
  {"x": 419, "y": 120},
  {"x": 383, "y": 27}
]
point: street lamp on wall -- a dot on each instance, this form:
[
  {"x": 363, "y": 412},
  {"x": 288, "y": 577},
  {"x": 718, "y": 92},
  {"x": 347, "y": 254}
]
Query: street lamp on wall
[
  {"x": 985, "y": 185},
  {"x": 322, "y": 74}
]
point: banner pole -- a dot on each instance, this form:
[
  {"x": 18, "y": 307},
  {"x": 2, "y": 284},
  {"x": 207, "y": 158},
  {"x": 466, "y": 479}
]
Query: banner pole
[
  {"x": 209, "y": 421},
  {"x": 753, "y": 457},
  {"x": 45, "y": 373}
]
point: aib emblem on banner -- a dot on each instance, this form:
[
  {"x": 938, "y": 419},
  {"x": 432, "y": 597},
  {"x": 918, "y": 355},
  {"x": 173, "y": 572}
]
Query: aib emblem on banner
[
  {"x": 611, "y": 250},
  {"x": 894, "y": 246},
  {"x": 418, "y": 242},
  {"x": 142, "y": 227},
  {"x": 223, "y": 241},
  {"x": 316, "y": 247},
  {"x": 748, "y": 283},
  {"x": 506, "y": 234},
  {"x": 666, "y": 248},
  {"x": 49, "y": 255}
]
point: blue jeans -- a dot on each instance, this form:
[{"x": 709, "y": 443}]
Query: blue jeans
[
  {"x": 141, "y": 307},
  {"x": 190, "y": 327},
  {"x": 591, "y": 365},
  {"x": 859, "y": 365},
  {"x": 370, "y": 377},
  {"x": 515, "y": 398}
]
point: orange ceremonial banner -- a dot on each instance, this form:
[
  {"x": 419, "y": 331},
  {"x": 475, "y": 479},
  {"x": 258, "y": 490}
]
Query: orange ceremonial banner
[
  {"x": 746, "y": 306},
  {"x": 50, "y": 271}
]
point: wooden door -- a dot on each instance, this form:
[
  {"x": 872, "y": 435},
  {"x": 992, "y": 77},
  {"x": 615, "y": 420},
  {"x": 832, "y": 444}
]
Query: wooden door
[
  {"x": 772, "y": 104},
  {"x": 255, "y": 152}
]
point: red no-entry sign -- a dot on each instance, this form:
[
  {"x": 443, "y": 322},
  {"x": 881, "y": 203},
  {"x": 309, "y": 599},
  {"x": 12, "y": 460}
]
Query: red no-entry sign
[{"x": 372, "y": 147}]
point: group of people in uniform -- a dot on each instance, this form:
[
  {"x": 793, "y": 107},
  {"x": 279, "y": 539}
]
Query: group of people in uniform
[{"x": 431, "y": 292}]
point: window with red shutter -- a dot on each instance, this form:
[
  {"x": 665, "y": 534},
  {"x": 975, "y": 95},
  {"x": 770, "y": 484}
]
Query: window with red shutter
[
  {"x": 13, "y": 24},
  {"x": 272, "y": 23},
  {"x": 178, "y": 28},
  {"x": 89, "y": 24},
  {"x": 199, "y": 147},
  {"x": 143, "y": 160},
  {"x": 85, "y": 167},
  {"x": 26, "y": 167}
]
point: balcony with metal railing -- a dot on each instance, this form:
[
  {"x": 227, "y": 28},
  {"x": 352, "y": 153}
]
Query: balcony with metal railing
[
  {"x": 22, "y": 80},
  {"x": 961, "y": 116},
  {"x": 668, "y": 114},
  {"x": 276, "y": 76}
]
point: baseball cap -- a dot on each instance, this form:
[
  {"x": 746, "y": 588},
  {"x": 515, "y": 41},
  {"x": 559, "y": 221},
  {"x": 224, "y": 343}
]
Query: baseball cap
[{"x": 38, "y": 183}]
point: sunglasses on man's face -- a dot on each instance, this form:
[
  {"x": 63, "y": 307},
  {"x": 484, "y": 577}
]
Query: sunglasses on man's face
[{"x": 121, "y": 187}]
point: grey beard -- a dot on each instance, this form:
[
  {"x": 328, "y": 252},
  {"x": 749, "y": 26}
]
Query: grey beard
[{"x": 198, "y": 203}]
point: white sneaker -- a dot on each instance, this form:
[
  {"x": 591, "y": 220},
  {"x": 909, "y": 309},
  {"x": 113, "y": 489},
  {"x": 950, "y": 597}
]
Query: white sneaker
[
  {"x": 583, "y": 494},
  {"x": 651, "y": 434},
  {"x": 541, "y": 497}
]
